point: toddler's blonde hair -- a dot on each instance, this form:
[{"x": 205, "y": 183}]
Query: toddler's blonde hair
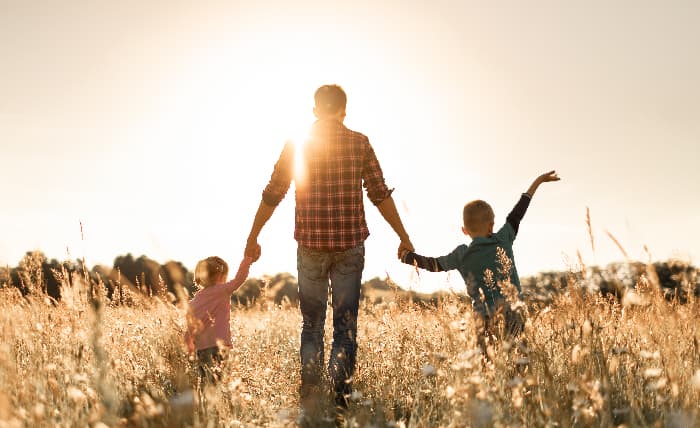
[
  {"x": 209, "y": 270},
  {"x": 476, "y": 214}
]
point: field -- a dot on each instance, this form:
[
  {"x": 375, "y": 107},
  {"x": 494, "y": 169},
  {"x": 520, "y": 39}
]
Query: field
[{"x": 583, "y": 360}]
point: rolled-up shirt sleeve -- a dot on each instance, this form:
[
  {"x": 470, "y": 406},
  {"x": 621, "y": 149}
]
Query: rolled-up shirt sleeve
[
  {"x": 373, "y": 178},
  {"x": 281, "y": 177}
]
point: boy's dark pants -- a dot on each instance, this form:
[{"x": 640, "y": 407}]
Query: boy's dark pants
[
  {"x": 501, "y": 322},
  {"x": 344, "y": 272}
]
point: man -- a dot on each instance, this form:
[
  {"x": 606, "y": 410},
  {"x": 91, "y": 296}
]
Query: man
[{"x": 329, "y": 170}]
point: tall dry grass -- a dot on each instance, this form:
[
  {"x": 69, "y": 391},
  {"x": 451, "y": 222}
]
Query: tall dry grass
[{"x": 583, "y": 360}]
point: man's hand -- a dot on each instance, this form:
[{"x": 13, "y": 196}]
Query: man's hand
[
  {"x": 405, "y": 247},
  {"x": 253, "y": 250}
]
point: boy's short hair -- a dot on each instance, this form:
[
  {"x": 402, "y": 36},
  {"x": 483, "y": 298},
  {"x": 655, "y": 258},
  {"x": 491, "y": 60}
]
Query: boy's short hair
[
  {"x": 208, "y": 270},
  {"x": 330, "y": 99},
  {"x": 477, "y": 213}
]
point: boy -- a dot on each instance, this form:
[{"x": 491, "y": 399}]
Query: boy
[{"x": 487, "y": 263}]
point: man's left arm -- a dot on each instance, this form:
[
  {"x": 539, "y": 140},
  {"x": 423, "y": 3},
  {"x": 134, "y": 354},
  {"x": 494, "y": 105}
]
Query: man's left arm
[
  {"x": 380, "y": 195},
  {"x": 387, "y": 208}
]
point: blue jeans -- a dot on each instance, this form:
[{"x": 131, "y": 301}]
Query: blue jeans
[{"x": 344, "y": 271}]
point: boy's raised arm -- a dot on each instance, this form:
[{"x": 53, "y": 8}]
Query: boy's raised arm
[
  {"x": 518, "y": 212},
  {"x": 544, "y": 178}
]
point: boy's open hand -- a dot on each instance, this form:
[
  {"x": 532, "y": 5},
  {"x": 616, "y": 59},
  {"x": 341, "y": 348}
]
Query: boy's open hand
[
  {"x": 548, "y": 176},
  {"x": 544, "y": 178}
]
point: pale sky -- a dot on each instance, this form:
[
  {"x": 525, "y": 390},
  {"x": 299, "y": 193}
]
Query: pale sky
[{"x": 156, "y": 124}]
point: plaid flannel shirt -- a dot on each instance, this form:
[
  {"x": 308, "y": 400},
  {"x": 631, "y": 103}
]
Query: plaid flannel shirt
[{"x": 333, "y": 166}]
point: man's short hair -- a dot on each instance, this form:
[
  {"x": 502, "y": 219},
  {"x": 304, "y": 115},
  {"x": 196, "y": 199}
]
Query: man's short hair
[
  {"x": 330, "y": 99},
  {"x": 477, "y": 213}
]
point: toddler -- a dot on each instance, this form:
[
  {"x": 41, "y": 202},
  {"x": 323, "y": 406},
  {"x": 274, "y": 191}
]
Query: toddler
[{"x": 208, "y": 320}]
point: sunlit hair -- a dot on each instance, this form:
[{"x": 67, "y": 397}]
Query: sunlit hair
[
  {"x": 329, "y": 99},
  {"x": 209, "y": 270},
  {"x": 477, "y": 214}
]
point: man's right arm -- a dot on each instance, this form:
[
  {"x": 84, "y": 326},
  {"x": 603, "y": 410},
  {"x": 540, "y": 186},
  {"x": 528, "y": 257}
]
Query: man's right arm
[
  {"x": 273, "y": 194},
  {"x": 252, "y": 248}
]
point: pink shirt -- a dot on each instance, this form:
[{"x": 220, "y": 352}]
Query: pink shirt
[{"x": 211, "y": 309}]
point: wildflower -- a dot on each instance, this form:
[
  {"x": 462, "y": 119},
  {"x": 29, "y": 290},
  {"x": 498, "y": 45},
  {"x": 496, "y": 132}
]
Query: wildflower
[
  {"x": 81, "y": 378},
  {"x": 656, "y": 385},
  {"x": 695, "y": 381},
  {"x": 235, "y": 385},
  {"x": 523, "y": 361},
  {"x": 516, "y": 382},
  {"x": 653, "y": 372},
  {"x": 576, "y": 354},
  {"x": 649, "y": 356},
  {"x": 39, "y": 411},
  {"x": 462, "y": 365},
  {"x": 283, "y": 415},
  {"x": 481, "y": 413},
  {"x": 428, "y": 371},
  {"x": 631, "y": 298},
  {"x": 356, "y": 396},
  {"x": 587, "y": 328},
  {"x": 76, "y": 395},
  {"x": 517, "y": 398},
  {"x": 182, "y": 401},
  {"x": 621, "y": 411},
  {"x": 474, "y": 379}
]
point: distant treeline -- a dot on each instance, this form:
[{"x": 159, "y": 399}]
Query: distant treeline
[{"x": 131, "y": 277}]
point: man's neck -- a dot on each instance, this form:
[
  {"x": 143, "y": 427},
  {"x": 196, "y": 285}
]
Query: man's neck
[
  {"x": 329, "y": 120},
  {"x": 338, "y": 116}
]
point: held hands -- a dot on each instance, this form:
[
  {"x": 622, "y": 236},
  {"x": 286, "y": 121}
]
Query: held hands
[
  {"x": 252, "y": 250},
  {"x": 404, "y": 247}
]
